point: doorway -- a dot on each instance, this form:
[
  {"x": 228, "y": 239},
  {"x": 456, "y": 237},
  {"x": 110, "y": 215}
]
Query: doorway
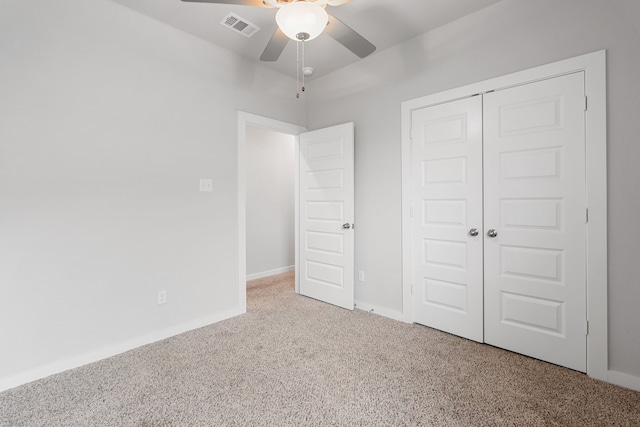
[
  {"x": 246, "y": 120},
  {"x": 270, "y": 202},
  {"x": 323, "y": 209}
]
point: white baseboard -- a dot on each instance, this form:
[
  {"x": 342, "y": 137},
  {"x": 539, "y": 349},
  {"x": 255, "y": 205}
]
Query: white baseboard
[
  {"x": 93, "y": 356},
  {"x": 624, "y": 380},
  {"x": 381, "y": 311},
  {"x": 273, "y": 272}
]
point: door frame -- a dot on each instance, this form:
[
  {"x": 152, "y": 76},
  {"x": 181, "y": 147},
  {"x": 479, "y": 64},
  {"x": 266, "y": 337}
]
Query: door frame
[
  {"x": 244, "y": 120},
  {"x": 594, "y": 67}
]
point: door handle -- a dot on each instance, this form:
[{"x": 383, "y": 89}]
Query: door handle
[
  {"x": 473, "y": 232},
  {"x": 492, "y": 233},
  {"x": 346, "y": 226}
]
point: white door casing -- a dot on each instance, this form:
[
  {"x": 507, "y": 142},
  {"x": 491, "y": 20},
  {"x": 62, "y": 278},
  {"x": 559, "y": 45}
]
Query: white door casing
[
  {"x": 326, "y": 263},
  {"x": 534, "y": 174},
  {"x": 447, "y": 217}
]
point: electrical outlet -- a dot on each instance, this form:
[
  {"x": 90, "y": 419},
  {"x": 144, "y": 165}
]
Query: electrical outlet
[
  {"x": 360, "y": 275},
  {"x": 206, "y": 185},
  {"x": 162, "y": 297}
]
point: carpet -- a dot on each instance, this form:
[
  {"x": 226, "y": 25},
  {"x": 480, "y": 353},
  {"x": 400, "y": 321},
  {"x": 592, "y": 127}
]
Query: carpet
[{"x": 294, "y": 361}]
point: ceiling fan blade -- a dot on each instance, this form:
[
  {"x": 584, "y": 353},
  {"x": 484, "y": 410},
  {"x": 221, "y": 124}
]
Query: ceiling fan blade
[
  {"x": 349, "y": 38},
  {"x": 337, "y": 2},
  {"x": 275, "y": 46},
  {"x": 234, "y": 2}
]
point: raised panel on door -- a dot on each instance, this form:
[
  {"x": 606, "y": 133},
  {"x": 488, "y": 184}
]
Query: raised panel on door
[
  {"x": 447, "y": 203},
  {"x": 534, "y": 174},
  {"x": 326, "y": 204}
]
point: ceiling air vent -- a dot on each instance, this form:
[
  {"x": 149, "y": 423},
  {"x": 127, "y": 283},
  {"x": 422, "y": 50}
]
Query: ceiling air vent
[{"x": 240, "y": 25}]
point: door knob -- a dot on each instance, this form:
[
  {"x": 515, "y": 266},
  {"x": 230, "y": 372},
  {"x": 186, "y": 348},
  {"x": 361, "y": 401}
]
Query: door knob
[
  {"x": 346, "y": 226},
  {"x": 492, "y": 233},
  {"x": 473, "y": 232}
]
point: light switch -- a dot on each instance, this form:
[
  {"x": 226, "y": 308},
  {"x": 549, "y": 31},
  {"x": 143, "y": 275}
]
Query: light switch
[
  {"x": 361, "y": 275},
  {"x": 206, "y": 185},
  {"x": 162, "y": 297}
]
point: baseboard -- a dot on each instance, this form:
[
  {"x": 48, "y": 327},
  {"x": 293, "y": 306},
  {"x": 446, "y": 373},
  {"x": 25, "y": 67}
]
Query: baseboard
[
  {"x": 381, "y": 311},
  {"x": 273, "y": 272},
  {"x": 44, "y": 371},
  {"x": 624, "y": 380}
]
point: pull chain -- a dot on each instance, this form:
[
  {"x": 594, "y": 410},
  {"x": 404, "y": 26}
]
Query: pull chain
[
  {"x": 298, "y": 68},
  {"x": 302, "y": 66},
  {"x": 301, "y": 38}
]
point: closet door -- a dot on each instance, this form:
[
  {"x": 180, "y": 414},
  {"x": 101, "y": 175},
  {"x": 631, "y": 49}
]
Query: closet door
[
  {"x": 535, "y": 215},
  {"x": 447, "y": 217}
]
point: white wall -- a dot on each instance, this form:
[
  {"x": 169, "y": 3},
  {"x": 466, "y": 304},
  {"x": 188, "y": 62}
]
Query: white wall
[
  {"x": 107, "y": 121},
  {"x": 270, "y": 200},
  {"x": 510, "y": 36}
]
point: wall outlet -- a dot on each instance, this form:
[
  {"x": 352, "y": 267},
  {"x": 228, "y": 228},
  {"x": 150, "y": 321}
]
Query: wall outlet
[
  {"x": 360, "y": 275},
  {"x": 162, "y": 297},
  {"x": 206, "y": 185}
]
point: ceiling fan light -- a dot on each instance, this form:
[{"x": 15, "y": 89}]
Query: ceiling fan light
[{"x": 302, "y": 17}]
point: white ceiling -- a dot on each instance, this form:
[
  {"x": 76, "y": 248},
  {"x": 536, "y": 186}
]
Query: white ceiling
[{"x": 383, "y": 22}]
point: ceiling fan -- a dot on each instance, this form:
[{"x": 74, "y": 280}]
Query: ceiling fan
[{"x": 303, "y": 20}]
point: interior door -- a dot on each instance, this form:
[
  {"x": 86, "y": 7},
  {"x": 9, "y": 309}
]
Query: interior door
[
  {"x": 447, "y": 217},
  {"x": 535, "y": 215},
  {"x": 327, "y": 214}
]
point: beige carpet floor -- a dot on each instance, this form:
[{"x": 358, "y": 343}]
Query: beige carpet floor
[{"x": 293, "y": 361}]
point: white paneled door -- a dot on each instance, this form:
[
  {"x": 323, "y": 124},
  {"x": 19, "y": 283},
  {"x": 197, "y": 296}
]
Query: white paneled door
[
  {"x": 534, "y": 171},
  {"x": 447, "y": 217},
  {"x": 327, "y": 214},
  {"x": 499, "y": 219}
]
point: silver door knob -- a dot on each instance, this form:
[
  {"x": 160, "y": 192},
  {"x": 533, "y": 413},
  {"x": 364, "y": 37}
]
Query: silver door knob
[
  {"x": 346, "y": 226},
  {"x": 473, "y": 232},
  {"x": 492, "y": 233}
]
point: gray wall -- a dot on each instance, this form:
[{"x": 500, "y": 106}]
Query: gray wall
[
  {"x": 270, "y": 199},
  {"x": 510, "y": 36},
  {"x": 108, "y": 120}
]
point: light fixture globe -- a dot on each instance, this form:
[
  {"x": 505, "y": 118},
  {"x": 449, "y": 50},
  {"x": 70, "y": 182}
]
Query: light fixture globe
[{"x": 301, "y": 20}]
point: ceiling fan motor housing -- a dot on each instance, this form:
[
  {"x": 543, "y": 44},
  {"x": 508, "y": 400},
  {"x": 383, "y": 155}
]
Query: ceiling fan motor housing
[{"x": 302, "y": 20}]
